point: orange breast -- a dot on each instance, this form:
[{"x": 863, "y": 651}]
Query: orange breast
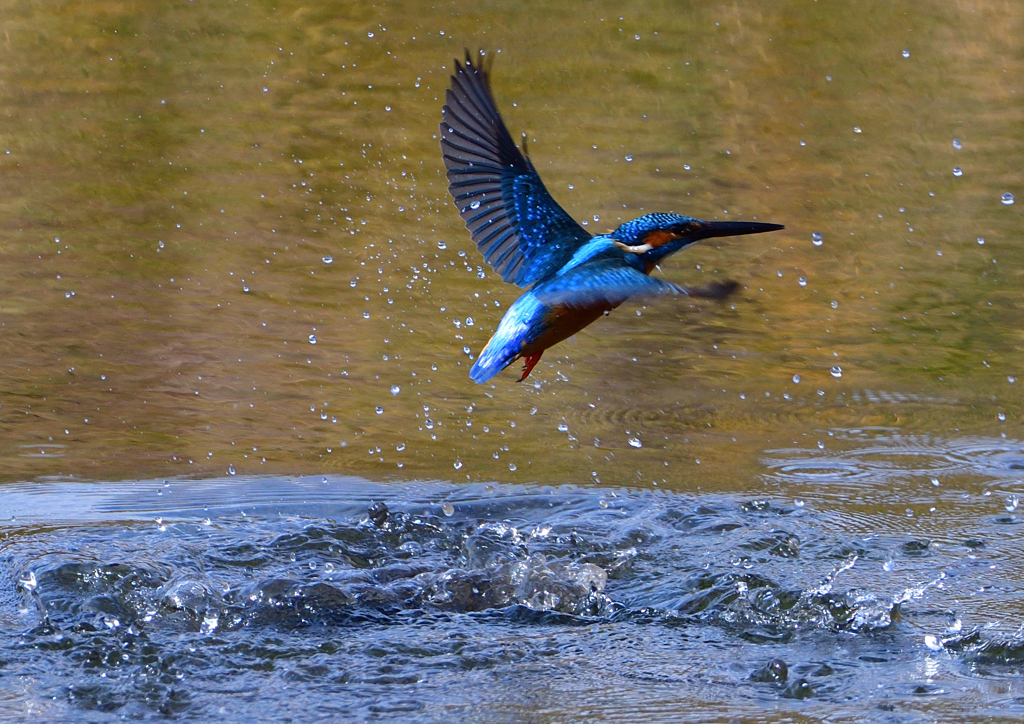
[{"x": 562, "y": 323}]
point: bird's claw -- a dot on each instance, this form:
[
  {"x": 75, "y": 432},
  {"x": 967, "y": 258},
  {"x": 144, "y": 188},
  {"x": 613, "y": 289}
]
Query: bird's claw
[{"x": 531, "y": 361}]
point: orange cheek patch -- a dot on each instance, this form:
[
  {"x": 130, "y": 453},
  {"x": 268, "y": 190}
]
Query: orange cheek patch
[{"x": 658, "y": 238}]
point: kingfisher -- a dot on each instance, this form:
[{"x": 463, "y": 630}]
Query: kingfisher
[{"x": 571, "y": 277}]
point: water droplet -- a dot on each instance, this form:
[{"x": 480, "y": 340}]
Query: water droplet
[
  {"x": 956, "y": 144},
  {"x": 821, "y": 445},
  {"x": 935, "y": 482},
  {"x": 68, "y": 295},
  {"x": 448, "y": 509},
  {"x": 159, "y": 245},
  {"x": 512, "y": 467},
  {"x": 231, "y": 469},
  {"x": 802, "y": 281},
  {"x": 245, "y": 288},
  {"x": 888, "y": 566},
  {"x": 328, "y": 260},
  {"x": 469, "y": 321},
  {"x": 906, "y": 53},
  {"x": 817, "y": 239},
  {"x": 629, "y": 157},
  {"x": 686, "y": 167},
  {"x": 1011, "y": 379},
  {"x": 1007, "y": 199},
  {"x": 395, "y": 389},
  {"x": 856, "y": 129},
  {"x": 957, "y": 171},
  {"x": 1001, "y": 417},
  {"x": 387, "y": 108},
  {"x": 441, "y": 245},
  {"x": 796, "y": 379},
  {"x": 932, "y": 643},
  {"x": 379, "y": 410},
  {"x": 635, "y": 442},
  {"x": 834, "y": 304},
  {"x": 475, "y": 205},
  {"x": 836, "y": 371},
  {"x": 312, "y": 339},
  {"x": 28, "y": 581},
  {"x": 981, "y": 240},
  {"x": 1011, "y": 503},
  {"x": 457, "y": 464},
  {"x": 366, "y": 315}
]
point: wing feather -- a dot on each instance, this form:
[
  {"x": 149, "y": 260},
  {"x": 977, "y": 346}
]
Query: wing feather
[
  {"x": 521, "y": 231},
  {"x": 604, "y": 283}
]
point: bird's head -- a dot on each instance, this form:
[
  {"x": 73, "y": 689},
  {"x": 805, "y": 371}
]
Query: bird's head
[{"x": 655, "y": 236}]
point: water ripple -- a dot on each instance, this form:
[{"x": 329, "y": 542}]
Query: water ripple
[{"x": 376, "y": 589}]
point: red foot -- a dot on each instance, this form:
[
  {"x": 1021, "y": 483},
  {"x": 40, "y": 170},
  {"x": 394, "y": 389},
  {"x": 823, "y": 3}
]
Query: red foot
[{"x": 531, "y": 362}]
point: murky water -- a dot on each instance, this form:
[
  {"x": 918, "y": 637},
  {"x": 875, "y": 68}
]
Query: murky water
[{"x": 229, "y": 256}]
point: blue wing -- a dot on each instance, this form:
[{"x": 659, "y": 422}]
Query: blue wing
[
  {"x": 516, "y": 225},
  {"x": 602, "y": 283}
]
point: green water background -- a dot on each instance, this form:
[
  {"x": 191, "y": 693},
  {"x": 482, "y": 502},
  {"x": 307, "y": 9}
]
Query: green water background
[{"x": 173, "y": 176}]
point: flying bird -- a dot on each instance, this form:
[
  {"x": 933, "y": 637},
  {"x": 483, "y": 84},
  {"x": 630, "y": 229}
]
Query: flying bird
[{"x": 572, "y": 278}]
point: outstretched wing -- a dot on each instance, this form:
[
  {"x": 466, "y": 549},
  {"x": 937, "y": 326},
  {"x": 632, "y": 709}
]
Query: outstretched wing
[
  {"x": 605, "y": 283},
  {"x": 516, "y": 225}
]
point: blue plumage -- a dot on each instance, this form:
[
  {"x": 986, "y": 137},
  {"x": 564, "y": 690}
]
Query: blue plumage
[
  {"x": 515, "y": 223},
  {"x": 633, "y": 231},
  {"x": 532, "y": 242},
  {"x": 522, "y": 322}
]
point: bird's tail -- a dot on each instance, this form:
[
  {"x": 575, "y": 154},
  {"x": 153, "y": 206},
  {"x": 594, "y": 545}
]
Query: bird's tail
[
  {"x": 505, "y": 345},
  {"x": 492, "y": 360}
]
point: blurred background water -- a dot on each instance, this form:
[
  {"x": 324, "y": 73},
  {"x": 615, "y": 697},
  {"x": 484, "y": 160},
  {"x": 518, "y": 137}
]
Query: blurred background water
[{"x": 229, "y": 255}]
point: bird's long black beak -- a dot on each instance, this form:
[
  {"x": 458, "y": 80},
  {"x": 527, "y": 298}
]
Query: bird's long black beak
[{"x": 735, "y": 228}]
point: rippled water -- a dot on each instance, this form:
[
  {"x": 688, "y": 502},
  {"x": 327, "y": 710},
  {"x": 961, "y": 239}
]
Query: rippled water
[
  {"x": 172, "y": 199},
  {"x": 279, "y": 598},
  {"x": 230, "y": 263}
]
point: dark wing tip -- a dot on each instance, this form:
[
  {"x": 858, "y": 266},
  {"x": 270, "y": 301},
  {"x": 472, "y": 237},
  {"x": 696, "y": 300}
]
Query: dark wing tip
[
  {"x": 481, "y": 67},
  {"x": 714, "y": 290}
]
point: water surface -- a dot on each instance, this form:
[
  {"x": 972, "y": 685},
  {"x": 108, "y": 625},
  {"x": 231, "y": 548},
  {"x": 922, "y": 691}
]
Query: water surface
[
  {"x": 313, "y": 598},
  {"x": 229, "y": 255}
]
